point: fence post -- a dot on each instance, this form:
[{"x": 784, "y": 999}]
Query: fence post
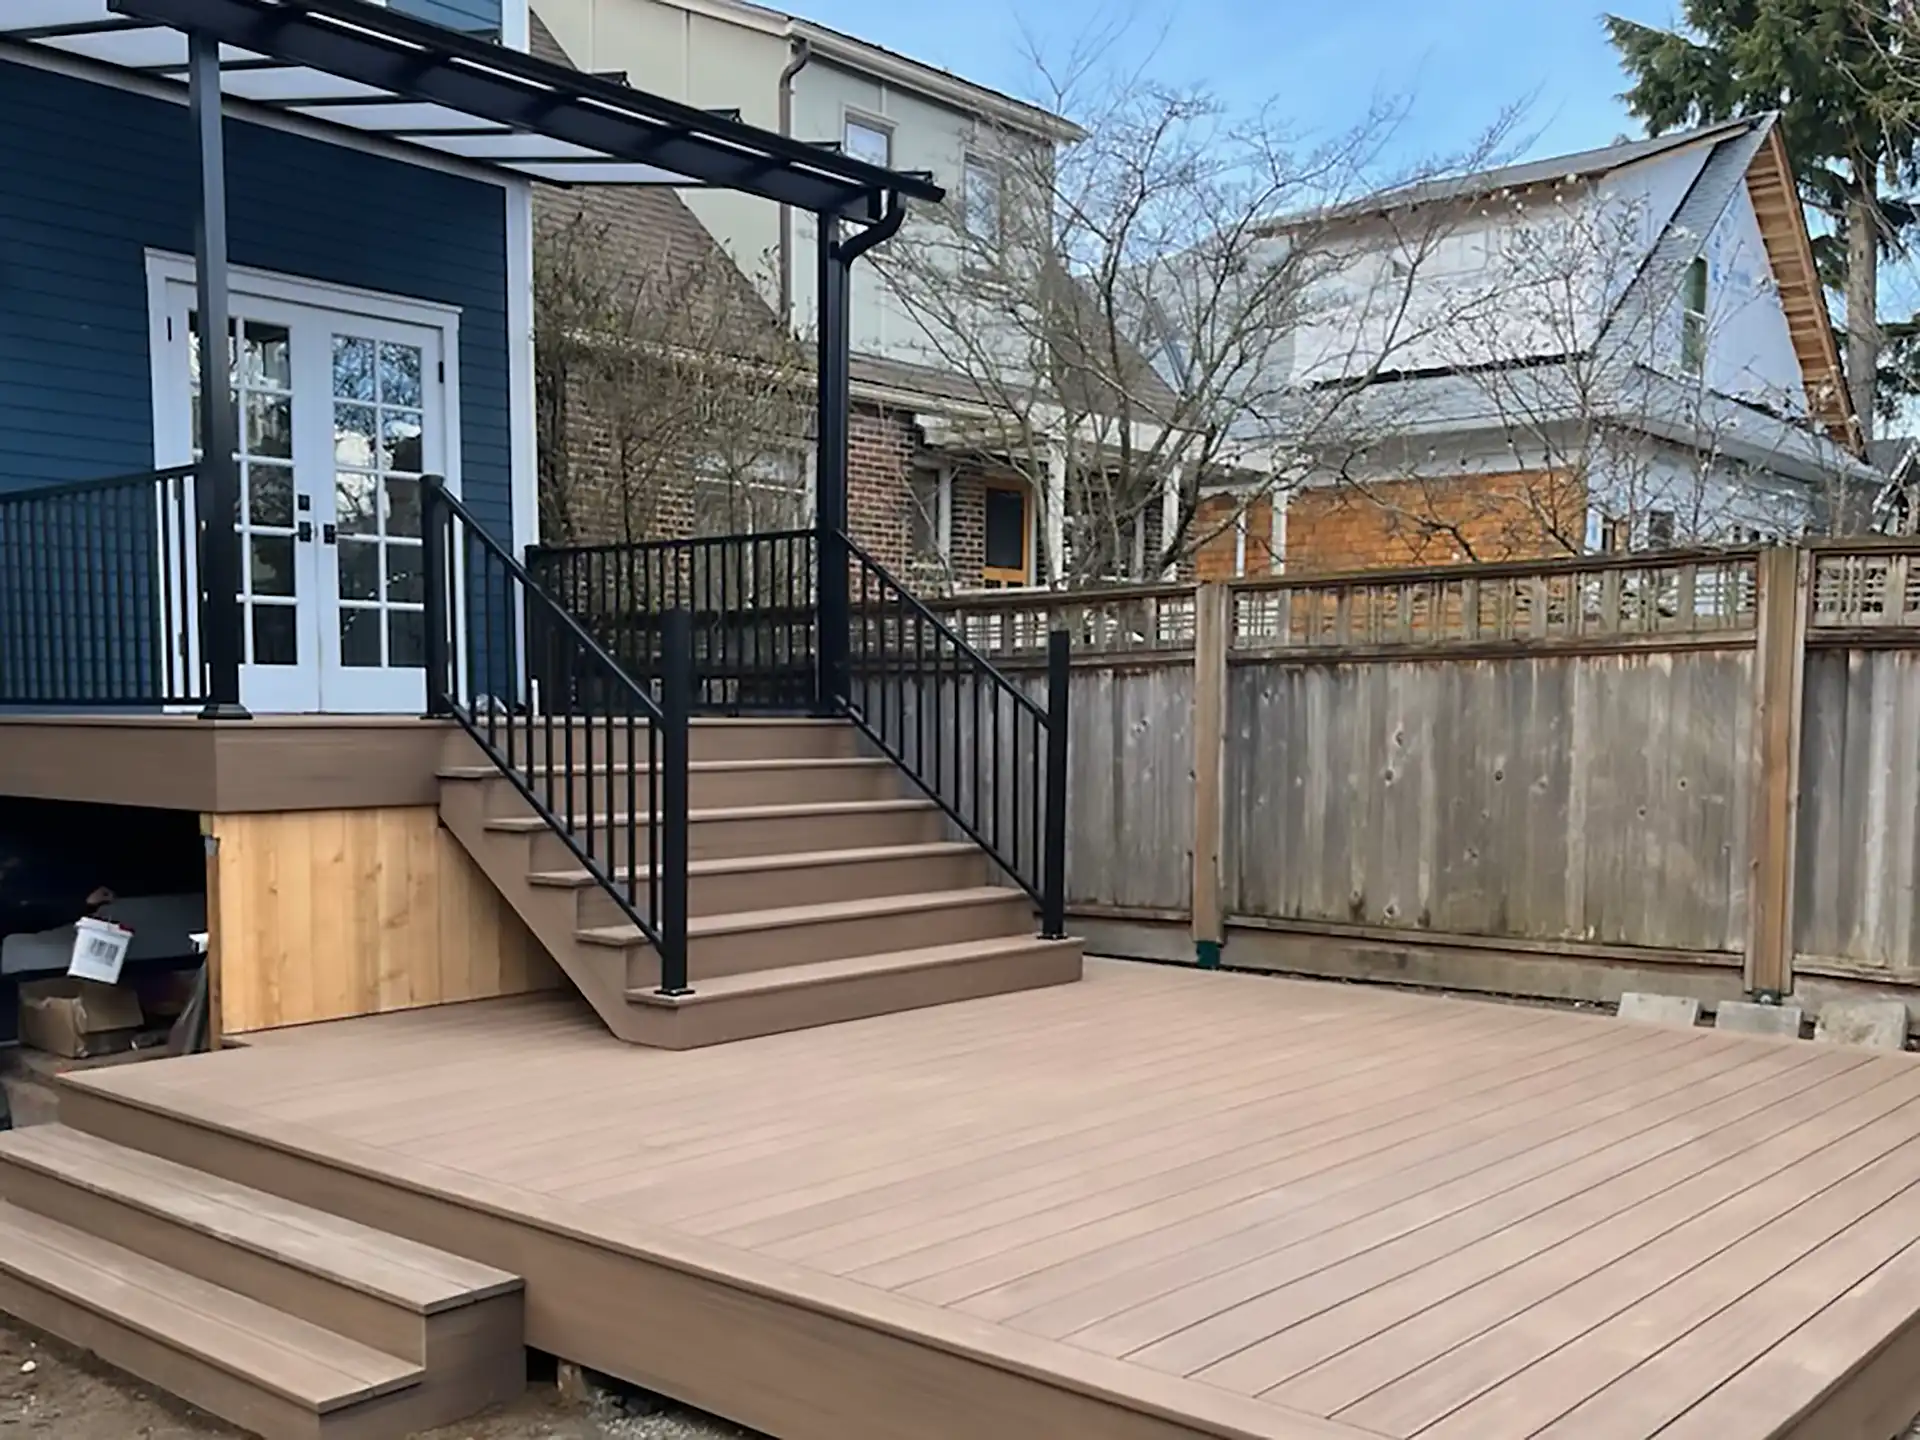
[
  {"x": 1053, "y": 879},
  {"x": 1779, "y": 672},
  {"x": 1212, "y": 633},
  {"x": 676, "y": 706}
]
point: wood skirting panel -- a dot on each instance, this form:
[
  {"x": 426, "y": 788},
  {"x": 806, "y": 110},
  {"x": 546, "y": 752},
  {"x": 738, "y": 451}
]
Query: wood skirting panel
[{"x": 325, "y": 914}]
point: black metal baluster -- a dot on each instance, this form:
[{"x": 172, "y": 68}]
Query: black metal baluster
[{"x": 993, "y": 770}]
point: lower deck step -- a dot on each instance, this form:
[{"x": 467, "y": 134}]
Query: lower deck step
[
  {"x": 234, "y": 1357},
  {"x": 278, "y": 1317},
  {"x": 794, "y": 997}
]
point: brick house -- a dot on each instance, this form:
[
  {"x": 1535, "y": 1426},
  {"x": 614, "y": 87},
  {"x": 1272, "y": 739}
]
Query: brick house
[{"x": 928, "y": 496}]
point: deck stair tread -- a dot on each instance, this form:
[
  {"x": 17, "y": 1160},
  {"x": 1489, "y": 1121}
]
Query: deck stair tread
[
  {"x": 803, "y": 810},
  {"x": 267, "y": 1348},
  {"x": 739, "y": 921},
  {"x": 601, "y": 766},
  {"x": 825, "y": 972},
  {"x": 785, "y": 860},
  {"x": 388, "y": 1267}
]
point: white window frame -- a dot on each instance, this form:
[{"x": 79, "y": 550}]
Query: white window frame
[
  {"x": 941, "y": 520},
  {"x": 1693, "y": 321},
  {"x": 976, "y": 163},
  {"x": 851, "y": 119}
]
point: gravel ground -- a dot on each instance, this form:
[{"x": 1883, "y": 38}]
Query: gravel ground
[{"x": 50, "y": 1392}]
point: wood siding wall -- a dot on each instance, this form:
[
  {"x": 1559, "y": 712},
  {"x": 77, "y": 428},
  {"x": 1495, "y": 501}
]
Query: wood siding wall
[
  {"x": 1675, "y": 766},
  {"x": 323, "y": 914}
]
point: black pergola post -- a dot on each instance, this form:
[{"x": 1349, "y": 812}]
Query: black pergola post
[
  {"x": 830, "y": 466},
  {"x": 217, "y": 482}
]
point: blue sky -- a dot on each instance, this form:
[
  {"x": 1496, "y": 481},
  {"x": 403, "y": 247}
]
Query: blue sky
[{"x": 1317, "y": 61}]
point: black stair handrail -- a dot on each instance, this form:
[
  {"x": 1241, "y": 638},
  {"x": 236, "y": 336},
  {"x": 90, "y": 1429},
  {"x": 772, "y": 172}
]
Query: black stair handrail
[
  {"x": 896, "y": 645},
  {"x": 486, "y": 615}
]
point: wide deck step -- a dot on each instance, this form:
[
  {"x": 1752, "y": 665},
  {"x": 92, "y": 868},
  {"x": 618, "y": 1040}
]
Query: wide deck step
[
  {"x": 794, "y": 997},
  {"x": 785, "y": 780},
  {"x": 353, "y": 1315},
  {"x": 747, "y": 882},
  {"x": 760, "y": 939},
  {"x": 246, "y": 1362},
  {"x": 731, "y": 830}
]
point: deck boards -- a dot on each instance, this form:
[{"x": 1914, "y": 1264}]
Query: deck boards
[{"x": 1406, "y": 1214}]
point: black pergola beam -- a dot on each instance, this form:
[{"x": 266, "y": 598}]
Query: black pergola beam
[{"x": 419, "y": 61}]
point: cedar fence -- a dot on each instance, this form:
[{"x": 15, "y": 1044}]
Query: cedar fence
[{"x": 1691, "y": 772}]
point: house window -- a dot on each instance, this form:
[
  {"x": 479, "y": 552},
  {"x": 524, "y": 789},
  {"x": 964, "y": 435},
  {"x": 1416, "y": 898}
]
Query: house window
[
  {"x": 1008, "y": 538},
  {"x": 980, "y": 195},
  {"x": 769, "y": 494},
  {"x": 926, "y": 489},
  {"x": 1660, "y": 529},
  {"x": 1693, "y": 319},
  {"x": 868, "y": 140}
]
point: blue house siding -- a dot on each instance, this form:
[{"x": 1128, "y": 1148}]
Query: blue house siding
[{"x": 92, "y": 177}]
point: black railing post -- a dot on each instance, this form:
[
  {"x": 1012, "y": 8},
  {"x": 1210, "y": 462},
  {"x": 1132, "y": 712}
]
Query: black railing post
[
  {"x": 440, "y": 609},
  {"x": 830, "y": 469},
  {"x": 218, "y": 487},
  {"x": 1053, "y": 885},
  {"x": 676, "y": 705}
]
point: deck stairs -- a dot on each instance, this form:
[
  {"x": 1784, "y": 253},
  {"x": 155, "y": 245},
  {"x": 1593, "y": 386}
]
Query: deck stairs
[
  {"x": 821, "y": 888},
  {"x": 284, "y": 1320}
]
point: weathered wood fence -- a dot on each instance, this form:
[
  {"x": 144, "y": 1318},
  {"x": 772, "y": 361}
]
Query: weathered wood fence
[{"x": 1688, "y": 771}]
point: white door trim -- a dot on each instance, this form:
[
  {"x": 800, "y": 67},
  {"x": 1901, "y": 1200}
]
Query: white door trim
[
  {"x": 166, "y": 271},
  {"x": 164, "y": 265}
]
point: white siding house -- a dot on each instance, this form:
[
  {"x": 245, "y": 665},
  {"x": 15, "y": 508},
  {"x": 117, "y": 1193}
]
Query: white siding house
[{"x": 1642, "y": 324}]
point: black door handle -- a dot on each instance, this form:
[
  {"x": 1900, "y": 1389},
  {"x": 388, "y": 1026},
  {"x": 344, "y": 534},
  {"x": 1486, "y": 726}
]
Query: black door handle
[
  {"x": 304, "y": 531},
  {"x": 326, "y": 534}
]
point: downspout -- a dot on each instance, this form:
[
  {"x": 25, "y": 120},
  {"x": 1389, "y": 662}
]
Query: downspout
[{"x": 802, "y": 53}]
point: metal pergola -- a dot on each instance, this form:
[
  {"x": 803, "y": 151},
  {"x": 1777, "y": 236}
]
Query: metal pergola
[{"x": 371, "y": 72}]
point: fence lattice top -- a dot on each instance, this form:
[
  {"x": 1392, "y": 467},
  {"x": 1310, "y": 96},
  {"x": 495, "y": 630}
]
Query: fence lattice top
[
  {"x": 1865, "y": 589},
  {"x": 1605, "y": 601}
]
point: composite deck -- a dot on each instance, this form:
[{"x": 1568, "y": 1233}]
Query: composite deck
[{"x": 1156, "y": 1203}]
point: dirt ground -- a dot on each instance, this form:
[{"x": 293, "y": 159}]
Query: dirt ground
[{"x": 50, "y": 1392}]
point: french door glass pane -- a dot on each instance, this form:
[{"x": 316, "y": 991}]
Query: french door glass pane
[
  {"x": 379, "y": 439},
  {"x": 260, "y": 380}
]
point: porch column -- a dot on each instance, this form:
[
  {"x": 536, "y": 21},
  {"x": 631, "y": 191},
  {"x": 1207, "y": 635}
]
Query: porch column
[
  {"x": 830, "y": 470},
  {"x": 1170, "y": 516},
  {"x": 1055, "y": 512},
  {"x": 217, "y": 481}
]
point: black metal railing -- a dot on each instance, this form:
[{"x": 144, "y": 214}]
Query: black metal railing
[
  {"x": 600, "y": 756},
  {"x": 99, "y": 604},
  {"x": 986, "y": 750},
  {"x": 750, "y": 597}
]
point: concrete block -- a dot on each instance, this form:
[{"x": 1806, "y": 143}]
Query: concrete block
[
  {"x": 1880, "y": 1024},
  {"x": 1650, "y": 1009},
  {"x": 1744, "y": 1017}
]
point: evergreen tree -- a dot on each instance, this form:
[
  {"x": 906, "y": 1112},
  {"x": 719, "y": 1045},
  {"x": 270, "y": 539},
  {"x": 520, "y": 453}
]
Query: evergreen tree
[{"x": 1839, "y": 73}]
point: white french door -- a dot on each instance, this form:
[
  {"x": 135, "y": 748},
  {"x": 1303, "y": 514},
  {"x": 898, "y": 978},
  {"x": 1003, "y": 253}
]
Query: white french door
[{"x": 339, "y": 415}]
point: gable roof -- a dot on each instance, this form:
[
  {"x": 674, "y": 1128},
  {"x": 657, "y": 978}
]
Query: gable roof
[{"x": 1751, "y": 151}]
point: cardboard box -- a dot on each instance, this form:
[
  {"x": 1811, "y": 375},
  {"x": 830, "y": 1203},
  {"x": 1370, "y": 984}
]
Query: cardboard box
[{"x": 78, "y": 1018}]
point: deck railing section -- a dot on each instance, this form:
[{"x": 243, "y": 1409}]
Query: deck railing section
[
  {"x": 973, "y": 739},
  {"x": 750, "y": 599},
  {"x": 100, "y": 603},
  {"x": 599, "y": 755}
]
